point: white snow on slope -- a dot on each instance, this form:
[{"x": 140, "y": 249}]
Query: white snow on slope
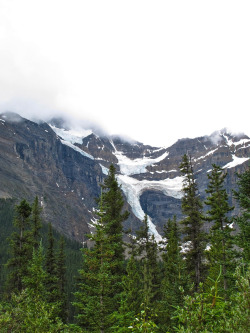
[
  {"x": 133, "y": 189},
  {"x": 204, "y": 156},
  {"x": 105, "y": 170},
  {"x": 72, "y": 136},
  {"x": 69, "y": 144},
  {"x": 236, "y": 161},
  {"x": 137, "y": 166}
]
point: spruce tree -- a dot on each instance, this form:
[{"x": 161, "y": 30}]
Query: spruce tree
[
  {"x": 193, "y": 223},
  {"x": 100, "y": 286},
  {"x": 243, "y": 221},
  {"x": 221, "y": 241},
  {"x": 21, "y": 247},
  {"x": 51, "y": 269},
  {"x": 61, "y": 280},
  {"x": 94, "y": 296},
  {"x": 147, "y": 249},
  {"x": 175, "y": 279},
  {"x": 36, "y": 222}
]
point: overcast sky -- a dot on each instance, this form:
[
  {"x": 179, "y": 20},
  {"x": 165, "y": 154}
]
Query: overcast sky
[{"x": 155, "y": 70}]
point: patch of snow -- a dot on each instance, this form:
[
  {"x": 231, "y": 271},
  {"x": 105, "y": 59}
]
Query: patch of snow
[
  {"x": 244, "y": 147},
  {"x": 72, "y": 136},
  {"x": 242, "y": 142},
  {"x": 185, "y": 247},
  {"x": 137, "y": 166},
  {"x": 236, "y": 161},
  {"x": 228, "y": 141},
  {"x": 133, "y": 189},
  {"x": 77, "y": 149},
  {"x": 165, "y": 171},
  {"x": 46, "y": 131},
  {"x": 2, "y": 120},
  {"x": 57, "y": 185},
  {"x": 105, "y": 170},
  {"x": 204, "y": 156}
]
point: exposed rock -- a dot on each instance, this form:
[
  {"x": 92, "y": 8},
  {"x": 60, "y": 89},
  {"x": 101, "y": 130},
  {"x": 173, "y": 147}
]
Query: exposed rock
[{"x": 65, "y": 175}]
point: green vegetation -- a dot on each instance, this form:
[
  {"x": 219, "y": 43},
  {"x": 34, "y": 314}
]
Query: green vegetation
[{"x": 190, "y": 282}]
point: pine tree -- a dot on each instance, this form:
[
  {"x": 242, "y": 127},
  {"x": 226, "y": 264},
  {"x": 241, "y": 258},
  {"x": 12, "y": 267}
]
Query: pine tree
[
  {"x": 94, "y": 296},
  {"x": 21, "y": 246},
  {"x": 100, "y": 286},
  {"x": 36, "y": 223},
  {"x": 61, "y": 280},
  {"x": 221, "y": 251},
  {"x": 243, "y": 221},
  {"x": 147, "y": 249},
  {"x": 51, "y": 269},
  {"x": 29, "y": 312},
  {"x": 193, "y": 222},
  {"x": 175, "y": 279}
]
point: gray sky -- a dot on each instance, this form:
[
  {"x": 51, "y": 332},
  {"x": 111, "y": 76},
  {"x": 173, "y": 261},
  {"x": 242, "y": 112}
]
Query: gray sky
[{"x": 153, "y": 70}]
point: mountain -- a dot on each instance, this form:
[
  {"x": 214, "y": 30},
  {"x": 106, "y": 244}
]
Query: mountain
[{"x": 64, "y": 168}]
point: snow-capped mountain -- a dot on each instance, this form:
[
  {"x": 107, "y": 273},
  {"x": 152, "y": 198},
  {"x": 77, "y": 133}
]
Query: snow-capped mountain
[{"x": 64, "y": 168}]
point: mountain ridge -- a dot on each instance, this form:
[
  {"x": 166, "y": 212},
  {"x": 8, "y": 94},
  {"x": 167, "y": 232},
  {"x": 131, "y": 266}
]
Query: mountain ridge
[{"x": 65, "y": 168}]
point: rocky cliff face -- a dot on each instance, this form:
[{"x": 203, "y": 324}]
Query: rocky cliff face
[{"x": 65, "y": 171}]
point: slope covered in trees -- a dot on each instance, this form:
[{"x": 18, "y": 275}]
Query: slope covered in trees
[{"x": 190, "y": 282}]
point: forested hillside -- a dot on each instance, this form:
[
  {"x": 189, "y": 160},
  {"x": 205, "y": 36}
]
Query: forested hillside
[{"x": 195, "y": 279}]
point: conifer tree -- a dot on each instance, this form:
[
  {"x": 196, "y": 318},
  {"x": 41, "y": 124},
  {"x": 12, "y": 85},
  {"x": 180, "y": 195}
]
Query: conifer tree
[
  {"x": 51, "y": 269},
  {"x": 29, "y": 312},
  {"x": 100, "y": 286},
  {"x": 113, "y": 202},
  {"x": 94, "y": 296},
  {"x": 243, "y": 221},
  {"x": 148, "y": 253},
  {"x": 61, "y": 280},
  {"x": 221, "y": 251},
  {"x": 20, "y": 247},
  {"x": 175, "y": 279},
  {"x": 36, "y": 223},
  {"x": 193, "y": 222}
]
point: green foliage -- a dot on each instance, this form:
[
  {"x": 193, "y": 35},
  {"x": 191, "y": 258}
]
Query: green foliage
[
  {"x": 147, "y": 250},
  {"x": 175, "y": 279},
  {"x": 206, "y": 312},
  {"x": 243, "y": 221},
  {"x": 238, "y": 318},
  {"x": 20, "y": 246},
  {"x": 193, "y": 223},
  {"x": 221, "y": 252},
  {"x": 71, "y": 249},
  {"x": 36, "y": 223},
  {"x": 143, "y": 322},
  {"x": 28, "y": 310},
  {"x": 100, "y": 287}
]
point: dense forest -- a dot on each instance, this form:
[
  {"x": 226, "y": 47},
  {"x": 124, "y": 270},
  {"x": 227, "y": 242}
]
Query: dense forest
[{"x": 191, "y": 281}]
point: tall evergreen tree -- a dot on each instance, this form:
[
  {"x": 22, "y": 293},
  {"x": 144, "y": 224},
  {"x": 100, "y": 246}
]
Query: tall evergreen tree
[
  {"x": 175, "y": 279},
  {"x": 36, "y": 223},
  {"x": 243, "y": 221},
  {"x": 113, "y": 202},
  {"x": 29, "y": 312},
  {"x": 193, "y": 222},
  {"x": 61, "y": 280},
  {"x": 100, "y": 286},
  {"x": 94, "y": 295},
  {"x": 21, "y": 246},
  {"x": 221, "y": 251},
  {"x": 51, "y": 269},
  {"x": 147, "y": 249}
]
